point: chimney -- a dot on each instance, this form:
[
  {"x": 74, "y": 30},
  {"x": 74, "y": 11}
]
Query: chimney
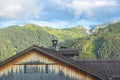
[
  {"x": 63, "y": 47},
  {"x": 55, "y": 44}
]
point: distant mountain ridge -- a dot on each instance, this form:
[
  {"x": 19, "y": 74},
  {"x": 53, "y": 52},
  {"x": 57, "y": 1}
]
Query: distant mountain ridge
[
  {"x": 97, "y": 27},
  {"x": 16, "y": 38},
  {"x": 103, "y": 44}
]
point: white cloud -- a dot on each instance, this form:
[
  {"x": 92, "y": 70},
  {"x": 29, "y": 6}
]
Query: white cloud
[
  {"x": 15, "y": 9},
  {"x": 26, "y": 11},
  {"x": 61, "y": 3},
  {"x": 86, "y": 7}
]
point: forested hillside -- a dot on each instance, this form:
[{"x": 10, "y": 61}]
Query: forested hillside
[
  {"x": 16, "y": 38},
  {"x": 105, "y": 43},
  {"x": 97, "y": 27}
]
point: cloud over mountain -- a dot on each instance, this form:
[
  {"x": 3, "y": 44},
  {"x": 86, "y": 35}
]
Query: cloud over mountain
[{"x": 52, "y": 12}]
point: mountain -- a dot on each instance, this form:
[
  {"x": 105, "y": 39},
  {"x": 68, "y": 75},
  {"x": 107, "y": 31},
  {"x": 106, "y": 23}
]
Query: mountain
[
  {"x": 97, "y": 27},
  {"x": 79, "y": 28},
  {"x": 103, "y": 44},
  {"x": 16, "y": 38}
]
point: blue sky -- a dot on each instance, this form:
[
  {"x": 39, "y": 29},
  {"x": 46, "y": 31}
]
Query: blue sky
[{"x": 58, "y": 13}]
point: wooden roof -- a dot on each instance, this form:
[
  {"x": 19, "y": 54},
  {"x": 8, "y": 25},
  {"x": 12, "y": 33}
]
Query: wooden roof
[
  {"x": 68, "y": 51},
  {"x": 106, "y": 68},
  {"x": 56, "y": 55}
]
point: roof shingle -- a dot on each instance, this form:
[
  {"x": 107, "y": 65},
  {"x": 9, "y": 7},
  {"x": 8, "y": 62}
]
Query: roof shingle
[{"x": 106, "y": 68}]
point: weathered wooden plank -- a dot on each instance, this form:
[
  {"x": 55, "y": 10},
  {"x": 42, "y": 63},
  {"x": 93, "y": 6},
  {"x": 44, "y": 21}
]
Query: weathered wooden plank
[{"x": 36, "y": 71}]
